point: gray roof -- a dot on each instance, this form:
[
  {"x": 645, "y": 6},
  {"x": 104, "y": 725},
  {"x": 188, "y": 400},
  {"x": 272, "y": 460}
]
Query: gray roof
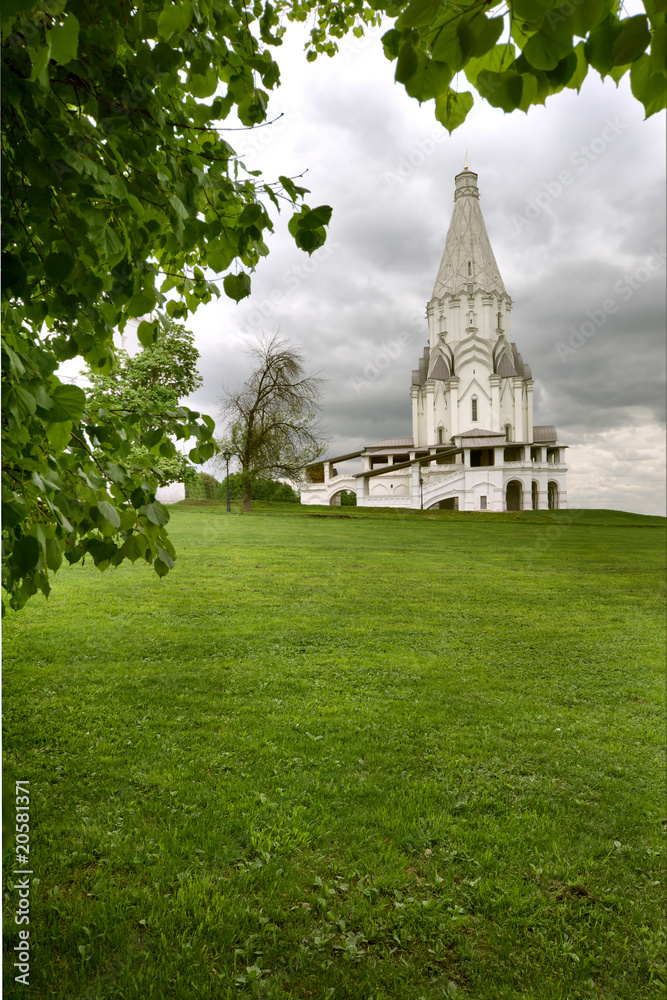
[
  {"x": 480, "y": 432},
  {"x": 440, "y": 369},
  {"x": 481, "y": 442},
  {"x": 544, "y": 433},
  {"x": 419, "y": 374},
  {"x": 392, "y": 443},
  {"x": 505, "y": 367}
]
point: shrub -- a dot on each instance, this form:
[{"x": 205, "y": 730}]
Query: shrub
[
  {"x": 201, "y": 486},
  {"x": 262, "y": 489}
]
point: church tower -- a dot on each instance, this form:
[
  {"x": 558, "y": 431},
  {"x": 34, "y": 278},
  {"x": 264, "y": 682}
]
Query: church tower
[
  {"x": 474, "y": 445},
  {"x": 471, "y": 375}
]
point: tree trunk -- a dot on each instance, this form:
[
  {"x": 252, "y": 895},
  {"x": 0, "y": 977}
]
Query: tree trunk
[{"x": 247, "y": 495}]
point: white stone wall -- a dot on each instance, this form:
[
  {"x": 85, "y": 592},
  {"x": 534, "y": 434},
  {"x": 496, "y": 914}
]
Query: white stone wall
[{"x": 173, "y": 493}]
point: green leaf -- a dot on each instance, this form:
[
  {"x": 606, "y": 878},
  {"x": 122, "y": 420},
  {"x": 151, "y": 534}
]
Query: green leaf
[
  {"x": 221, "y": 256},
  {"x": 25, "y": 555},
  {"x": 407, "y": 62},
  {"x": 164, "y": 562},
  {"x": 599, "y": 47},
  {"x": 54, "y": 556},
  {"x": 141, "y": 304},
  {"x": 237, "y": 286},
  {"x": 250, "y": 215},
  {"x": 648, "y": 87},
  {"x": 420, "y": 13},
  {"x": 547, "y": 47},
  {"x": 65, "y": 40},
  {"x": 153, "y": 437},
  {"x": 147, "y": 333},
  {"x": 59, "y": 266},
  {"x": 486, "y": 32},
  {"x": 659, "y": 49},
  {"x": 502, "y": 90},
  {"x": 156, "y": 513},
  {"x": 309, "y": 239},
  {"x": 174, "y": 17},
  {"x": 203, "y": 85},
  {"x": 59, "y": 435},
  {"x": 40, "y": 64},
  {"x": 497, "y": 59},
  {"x": 430, "y": 79},
  {"x": 320, "y": 216},
  {"x": 452, "y": 108},
  {"x": 69, "y": 403},
  {"x": 581, "y": 71},
  {"x": 109, "y": 244},
  {"x": 632, "y": 40},
  {"x": 446, "y": 47},
  {"x": 109, "y": 513}
]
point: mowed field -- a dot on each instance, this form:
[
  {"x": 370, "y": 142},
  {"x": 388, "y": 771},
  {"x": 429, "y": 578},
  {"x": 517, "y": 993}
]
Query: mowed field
[{"x": 342, "y": 753}]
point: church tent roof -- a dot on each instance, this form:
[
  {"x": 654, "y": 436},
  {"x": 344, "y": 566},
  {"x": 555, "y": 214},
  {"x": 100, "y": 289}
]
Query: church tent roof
[{"x": 468, "y": 258}]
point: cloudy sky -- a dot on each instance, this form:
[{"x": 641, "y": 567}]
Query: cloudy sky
[{"x": 573, "y": 198}]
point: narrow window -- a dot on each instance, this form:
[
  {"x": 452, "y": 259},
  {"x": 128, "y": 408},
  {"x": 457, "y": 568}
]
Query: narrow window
[
  {"x": 469, "y": 268},
  {"x": 474, "y": 409},
  {"x": 439, "y": 435},
  {"x": 482, "y": 503},
  {"x": 508, "y": 432}
]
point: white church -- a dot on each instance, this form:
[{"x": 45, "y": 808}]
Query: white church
[{"x": 474, "y": 445}]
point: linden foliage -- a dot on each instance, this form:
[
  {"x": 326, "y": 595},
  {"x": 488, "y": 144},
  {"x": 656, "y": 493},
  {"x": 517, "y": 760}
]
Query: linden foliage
[
  {"x": 154, "y": 380},
  {"x": 118, "y": 188},
  {"x": 515, "y": 53}
]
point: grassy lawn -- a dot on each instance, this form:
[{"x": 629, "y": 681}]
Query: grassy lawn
[{"x": 374, "y": 755}]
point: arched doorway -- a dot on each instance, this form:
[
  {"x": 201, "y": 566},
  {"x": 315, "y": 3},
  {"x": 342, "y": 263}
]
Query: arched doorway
[
  {"x": 451, "y": 503},
  {"x": 513, "y": 495},
  {"x": 552, "y": 493},
  {"x": 344, "y": 498}
]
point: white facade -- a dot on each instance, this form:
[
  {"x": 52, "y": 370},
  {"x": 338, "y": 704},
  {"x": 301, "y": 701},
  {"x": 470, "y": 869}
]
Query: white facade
[
  {"x": 474, "y": 444},
  {"x": 173, "y": 493}
]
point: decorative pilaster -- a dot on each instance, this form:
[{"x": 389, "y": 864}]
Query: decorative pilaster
[{"x": 453, "y": 389}]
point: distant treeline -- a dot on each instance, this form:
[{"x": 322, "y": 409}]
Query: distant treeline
[{"x": 203, "y": 486}]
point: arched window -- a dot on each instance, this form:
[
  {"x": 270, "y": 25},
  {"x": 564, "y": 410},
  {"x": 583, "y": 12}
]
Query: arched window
[
  {"x": 508, "y": 432},
  {"x": 473, "y": 414},
  {"x": 439, "y": 435},
  {"x": 469, "y": 268}
]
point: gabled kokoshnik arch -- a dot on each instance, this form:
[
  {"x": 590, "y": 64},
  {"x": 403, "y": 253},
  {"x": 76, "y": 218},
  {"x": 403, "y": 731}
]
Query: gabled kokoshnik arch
[{"x": 474, "y": 444}]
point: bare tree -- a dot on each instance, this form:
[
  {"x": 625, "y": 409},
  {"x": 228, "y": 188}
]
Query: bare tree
[{"x": 272, "y": 420}]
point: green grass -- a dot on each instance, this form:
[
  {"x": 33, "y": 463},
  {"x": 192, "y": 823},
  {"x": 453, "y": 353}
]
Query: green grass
[{"x": 347, "y": 753}]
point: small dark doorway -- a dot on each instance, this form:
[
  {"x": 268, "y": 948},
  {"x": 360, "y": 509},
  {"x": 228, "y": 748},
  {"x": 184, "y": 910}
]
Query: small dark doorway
[{"x": 513, "y": 495}]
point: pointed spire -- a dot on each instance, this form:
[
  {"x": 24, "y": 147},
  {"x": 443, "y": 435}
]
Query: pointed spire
[{"x": 468, "y": 258}]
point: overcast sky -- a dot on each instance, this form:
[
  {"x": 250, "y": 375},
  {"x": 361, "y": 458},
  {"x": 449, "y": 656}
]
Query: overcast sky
[{"x": 573, "y": 196}]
